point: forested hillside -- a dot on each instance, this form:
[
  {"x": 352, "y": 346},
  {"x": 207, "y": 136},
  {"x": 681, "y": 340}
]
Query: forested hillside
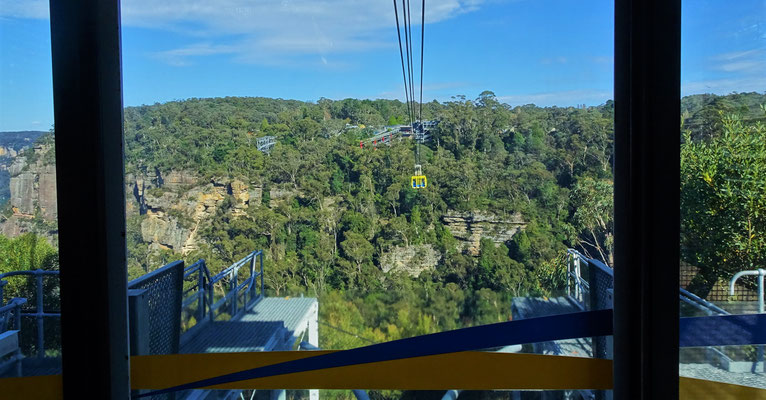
[{"x": 510, "y": 188}]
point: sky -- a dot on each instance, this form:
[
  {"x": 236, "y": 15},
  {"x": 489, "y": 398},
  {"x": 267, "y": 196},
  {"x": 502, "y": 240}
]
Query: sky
[{"x": 544, "y": 52}]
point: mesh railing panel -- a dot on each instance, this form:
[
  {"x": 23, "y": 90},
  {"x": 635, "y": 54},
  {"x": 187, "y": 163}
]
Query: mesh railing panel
[
  {"x": 164, "y": 290},
  {"x": 601, "y": 280}
]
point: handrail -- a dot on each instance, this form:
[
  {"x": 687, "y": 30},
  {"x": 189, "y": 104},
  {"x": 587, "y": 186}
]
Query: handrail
[
  {"x": 700, "y": 303},
  {"x": 202, "y": 292},
  {"x": 760, "y": 273},
  {"x": 151, "y": 275},
  {"x": 204, "y": 295},
  {"x": 39, "y": 313},
  {"x": 14, "y": 304}
]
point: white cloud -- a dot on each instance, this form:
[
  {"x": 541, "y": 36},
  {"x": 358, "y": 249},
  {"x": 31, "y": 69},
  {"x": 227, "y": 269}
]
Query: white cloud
[
  {"x": 751, "y": 61},
  {"x": 738, "y": 54},
  {"x": 554, "y": 60},
  {"x": 255, "y": 30},
  {"x": 724, "y": 86},
  {"x": 438, "y": 90},
  {"x": 560, "y": 98}
]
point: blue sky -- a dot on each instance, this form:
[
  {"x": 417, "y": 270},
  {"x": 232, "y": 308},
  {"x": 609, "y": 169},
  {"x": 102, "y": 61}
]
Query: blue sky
[{"x": 546, "y": 52}]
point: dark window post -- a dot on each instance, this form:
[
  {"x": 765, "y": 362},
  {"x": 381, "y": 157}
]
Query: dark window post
[
  {"x": 647, "y": 124},
  {"x": 87, "y": 99}
]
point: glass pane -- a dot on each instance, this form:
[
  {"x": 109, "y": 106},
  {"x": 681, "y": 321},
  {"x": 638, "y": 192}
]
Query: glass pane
[
  {"x": 373, "y": 226},
  {"x": 30, "y": 335},
  {"x": 723, "y": 185}
]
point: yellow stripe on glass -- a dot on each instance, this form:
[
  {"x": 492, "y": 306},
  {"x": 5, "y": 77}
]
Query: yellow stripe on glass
[{"x": 466, "y": 370}]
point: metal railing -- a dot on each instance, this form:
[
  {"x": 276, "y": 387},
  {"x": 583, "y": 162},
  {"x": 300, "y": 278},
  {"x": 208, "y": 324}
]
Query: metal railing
[
  {"x": 10, "y": 319},
  {"x": 231, "y": 290},
  {"x": 39, "y": 313},
  {"x": 589, "y": 282},
  {"x": 578, "y": 288},
  {"x": 10, "y": 314},
  {"x": 700, "y": 303},
  {"x": 760, "y": 273}
]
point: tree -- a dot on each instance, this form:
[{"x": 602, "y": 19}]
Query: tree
[
  {"x": 723, "y": 201},
  {"x": 357, "y": 248},
  {"x": 593, "y": 202}
]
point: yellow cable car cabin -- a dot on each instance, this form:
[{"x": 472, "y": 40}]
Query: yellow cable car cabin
[{"x": 418, "y": 180}]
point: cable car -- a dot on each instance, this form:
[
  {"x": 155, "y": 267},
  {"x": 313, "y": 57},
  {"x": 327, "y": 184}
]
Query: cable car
[{"x": 418, "y": 180}]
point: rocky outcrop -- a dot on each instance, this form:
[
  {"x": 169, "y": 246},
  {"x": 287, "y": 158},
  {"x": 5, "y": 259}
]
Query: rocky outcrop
[
  {"x": 164, "y": 233},
  {"x": 32, "y": 201},
  {"x": 173, "y": 216},
  {"x": 469, "y": 228},
  {"x": 33, "y": 186},
  {"x": 412, "y": 260},
  {"x": 175, "y": 180},
  {"x": 7, "y": 152}
]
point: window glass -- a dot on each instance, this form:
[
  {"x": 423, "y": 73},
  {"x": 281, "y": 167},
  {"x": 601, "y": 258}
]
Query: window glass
[
  {"x": 723, "y": 185},
  {"x": 284, "y": 127},
  {"x": 282, "y": 151},
  {"x": 30, "y": 336}
]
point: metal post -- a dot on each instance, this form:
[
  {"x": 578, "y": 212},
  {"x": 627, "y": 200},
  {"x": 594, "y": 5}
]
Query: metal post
[
  {"x": 87, "y": 100},
  {"x": 578, "y": 284},
  {"x": 760, "y": 355},
  {"x": 200, "y": 293},
  {"x": 313, "y": 339},
  {"x": 17, "y": 315},
  {"x": 210, "y": 298},
  {"x": 232, "y": 290},
  {"x": 647, "y": 107},
  {"x": 2, "y": 286},
  {"x": 39, "y": 315},
  {"x": 251, "y": 288},
  {"x": 570, "y": 263},
  {"x": 761, "y": 273},
  {"x": 261, "y": 257}
]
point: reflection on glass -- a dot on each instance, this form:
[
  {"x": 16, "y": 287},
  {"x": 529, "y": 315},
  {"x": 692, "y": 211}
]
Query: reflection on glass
[
  {"x": 30, "y": 330},
  {"x": 723, "y": 180}
]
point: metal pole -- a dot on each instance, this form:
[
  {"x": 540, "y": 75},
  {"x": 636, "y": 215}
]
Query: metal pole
[
  {"x": 210, "y": 297},
  {"x": 39, "y": 316},
  {"x": 251, "y": 287},
  {"x": 200, "y": 293},
  {"x": 261, "y": 257},
  {"x": 761, "y": 273},
  {"x": 17, "y": 315},
  {"x": 87, "y": 100}
]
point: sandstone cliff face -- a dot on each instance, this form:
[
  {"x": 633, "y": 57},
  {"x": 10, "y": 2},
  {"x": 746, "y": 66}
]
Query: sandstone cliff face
[
  {"x": 470, "y": 228},
  {"x": 412, "y": 260},
  {"x": 178, "y": 205},
  {"x": 33, "y": 190}
]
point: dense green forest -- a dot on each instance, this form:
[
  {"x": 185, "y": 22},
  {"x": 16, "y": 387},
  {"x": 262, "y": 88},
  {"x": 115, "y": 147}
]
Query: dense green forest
[
  {"x": 342, "y": 208},
  {"x": 347, "y": 206}
]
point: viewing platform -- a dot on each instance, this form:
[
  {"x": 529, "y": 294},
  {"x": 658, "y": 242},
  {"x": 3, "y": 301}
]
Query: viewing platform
[
  {"x": 174, "y": 309},
  {"x": 590, "y": 286}
]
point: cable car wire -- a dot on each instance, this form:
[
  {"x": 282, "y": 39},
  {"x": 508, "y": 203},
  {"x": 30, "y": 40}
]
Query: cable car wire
[
  {"x": 401, "y": 56},
  {"x": 422, "y": 38},
  {"x": 412, "y": 65},
  {"x": 408, "y": 51}
]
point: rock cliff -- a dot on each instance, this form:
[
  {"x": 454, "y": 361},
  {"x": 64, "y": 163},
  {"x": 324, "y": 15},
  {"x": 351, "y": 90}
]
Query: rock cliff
[
  {"x": 470, "y": 227},
  {"x": 32, "y": 194},
  {"x": 179, "y": 204},
  {"x": 412, "y": 260}
]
